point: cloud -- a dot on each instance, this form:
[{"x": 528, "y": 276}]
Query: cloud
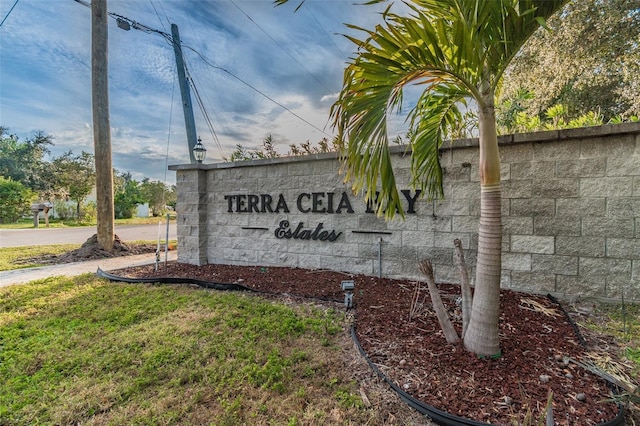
[
  {"x": 296, "y": 59},
  {"x": 330, "y": 98}
]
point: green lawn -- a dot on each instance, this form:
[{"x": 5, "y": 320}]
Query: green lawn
[
  {"x": 86, "y": 351},
  {"x": 55, "y": 223},
  {"x": 31, "y": 256}
]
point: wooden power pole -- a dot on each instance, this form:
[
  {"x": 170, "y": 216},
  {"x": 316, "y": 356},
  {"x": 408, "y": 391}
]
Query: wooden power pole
[
  {"x": 101, "y": 124},
  {"x": 187, "y": 108}
]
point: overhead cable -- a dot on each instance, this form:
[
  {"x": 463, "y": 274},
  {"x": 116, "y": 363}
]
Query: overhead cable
[
  {"x": 138, "y": 26},
  {"x": 8, "y": 13},
  {"x": 281, "y": 47}
]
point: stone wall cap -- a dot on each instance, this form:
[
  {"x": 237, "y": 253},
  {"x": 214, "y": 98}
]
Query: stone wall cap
[{"x": 511, "y": 139}]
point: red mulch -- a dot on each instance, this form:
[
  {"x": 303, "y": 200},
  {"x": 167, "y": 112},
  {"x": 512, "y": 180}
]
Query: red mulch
[{"x": 414, "y": 354}]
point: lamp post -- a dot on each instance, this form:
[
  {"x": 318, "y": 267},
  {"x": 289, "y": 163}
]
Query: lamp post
[{"x": 199, "y": 151}]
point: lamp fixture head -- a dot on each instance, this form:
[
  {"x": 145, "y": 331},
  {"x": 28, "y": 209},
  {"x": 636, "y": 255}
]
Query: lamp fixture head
[{"x": 199, "y": 151}]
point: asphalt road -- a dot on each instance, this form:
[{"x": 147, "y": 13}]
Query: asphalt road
[{"x": 45, "y": 236}]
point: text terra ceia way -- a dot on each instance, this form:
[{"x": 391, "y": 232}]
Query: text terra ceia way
[{"x": 306, "y": 202}]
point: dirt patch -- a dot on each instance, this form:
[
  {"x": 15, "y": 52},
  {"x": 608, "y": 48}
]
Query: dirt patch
[
  {"x": 91, "y": 250},
  {"x": 541, "y": 352}
]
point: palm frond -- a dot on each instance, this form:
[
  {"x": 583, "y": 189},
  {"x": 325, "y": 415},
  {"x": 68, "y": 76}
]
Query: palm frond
[{"x": 455, "y": 49}]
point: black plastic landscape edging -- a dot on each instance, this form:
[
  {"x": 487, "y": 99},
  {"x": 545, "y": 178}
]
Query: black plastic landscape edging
[
  {"x": 440, "y": 417},
  {"x": 171, "y": 280}
]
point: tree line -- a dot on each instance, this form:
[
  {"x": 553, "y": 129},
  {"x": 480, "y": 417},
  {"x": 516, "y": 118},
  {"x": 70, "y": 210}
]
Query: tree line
[{"x": 26, "y": 176}]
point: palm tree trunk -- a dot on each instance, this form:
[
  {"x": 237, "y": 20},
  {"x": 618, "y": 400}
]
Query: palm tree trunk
[{"x": 482, "y": 335}]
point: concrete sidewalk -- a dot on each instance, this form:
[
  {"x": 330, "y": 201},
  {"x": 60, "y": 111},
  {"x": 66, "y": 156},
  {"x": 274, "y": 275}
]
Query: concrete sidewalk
[{"x": 21, "y": 276}]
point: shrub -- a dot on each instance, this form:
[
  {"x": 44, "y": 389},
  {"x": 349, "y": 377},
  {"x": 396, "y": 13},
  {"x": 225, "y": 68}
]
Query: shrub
[{"x": 15, "y": 200}]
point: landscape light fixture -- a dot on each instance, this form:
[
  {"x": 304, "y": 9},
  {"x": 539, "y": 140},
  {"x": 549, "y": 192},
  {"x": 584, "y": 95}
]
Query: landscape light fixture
[
  {"x": 199, "y": 151},
  {"x": 348, "y": 286}
]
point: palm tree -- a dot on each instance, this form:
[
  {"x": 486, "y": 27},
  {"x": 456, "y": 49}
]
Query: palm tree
[{"x": 458, "y": 51}]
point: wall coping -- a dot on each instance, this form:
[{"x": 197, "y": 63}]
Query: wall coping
[{"x": 511, "y": 139}]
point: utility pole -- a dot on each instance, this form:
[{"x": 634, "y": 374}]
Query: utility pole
[
  {"x": 101, "y": 125},
  {"x": 187, "y": 108}
]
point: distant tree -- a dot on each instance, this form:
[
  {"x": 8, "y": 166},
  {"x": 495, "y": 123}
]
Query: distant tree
[
  {"x": 127, "y": 196},
  {"x": 76, "y": 175},
  {"x": 173, "y": 197},
  {"x": 157, "y": 194},
  {"x": 24, "y": 161},
  {"x": 15, "y": 200},
  {"x": 588, "y": 62}
]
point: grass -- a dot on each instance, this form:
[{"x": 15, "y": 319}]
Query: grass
[
  {"x": 622, "y": 322},
  {"x": 34, "y": 256},
  {"x": 31, "y": 256},
  {"x": 56, "y": 223},
  {"x": 85, "y": 351}
]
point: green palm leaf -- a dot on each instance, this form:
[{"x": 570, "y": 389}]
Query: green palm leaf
[{"x": 452, "y": 48}]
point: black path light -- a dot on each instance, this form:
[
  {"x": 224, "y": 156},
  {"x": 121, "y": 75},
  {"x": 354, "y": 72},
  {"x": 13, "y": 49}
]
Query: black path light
[
  {"x": 348, "y": 286},
  {"x": 199, "y": 151}
]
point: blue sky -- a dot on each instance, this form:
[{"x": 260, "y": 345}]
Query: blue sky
[{"x": 297, "y": 59}]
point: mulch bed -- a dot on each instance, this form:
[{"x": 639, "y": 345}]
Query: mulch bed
[{"x": 538, "y": 344}]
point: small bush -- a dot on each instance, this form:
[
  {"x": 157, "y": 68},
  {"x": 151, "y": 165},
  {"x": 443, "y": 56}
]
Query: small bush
[{"x": 15, "y": 200}]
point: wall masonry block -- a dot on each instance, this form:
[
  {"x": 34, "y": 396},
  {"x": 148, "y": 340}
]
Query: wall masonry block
[
  {"x": 628, "y": 165},
  {"x": 606, "y": 187},
  {"x": 435, "y": 223},
  {"x": 532, "y": 244},
  {"x": 516, "y": 188},
  {"x": 580, "y": 246},
  {"x": 549, "y": 151},
  {"x": 623, "y": 248},
  {"x": 559, "y": 265},
  {"x": 605, "y": 227},
  {"x": 603, "y": 266},
  {"x": 556, "y": 225},
  {"x": 451, "y": 207},
  {"x": 578, "y": 207},
  {"x": 618, "y": 287},
  {"x": 458, "y": 173},
  {"x": 531, "y": 170},
  {"x": 557, "y": 188},
  {"x": 517, "y": 225},
  {"x": 535, "y": 282},
  {"x": 516, "y": 261},
  {"x": 580, "y": 287},
  {"x": 468, "y": 224},
  {"x": 607, "y": 146},
  {"x": 587, "y": 167},
  {"x": 627, "y": 207},
  {"x": 517, "y": 153},
  {"x": 418, "y": 238},
  {"x": 532, "y": 207}
]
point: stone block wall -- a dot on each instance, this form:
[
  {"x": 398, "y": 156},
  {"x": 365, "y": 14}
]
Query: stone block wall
[{"x": 570, "y": 204}]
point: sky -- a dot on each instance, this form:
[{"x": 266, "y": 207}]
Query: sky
[{"x": 259, "y": 70}]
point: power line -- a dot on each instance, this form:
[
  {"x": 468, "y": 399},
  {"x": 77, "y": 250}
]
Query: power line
[
  {"x": 158, "y": 15},
  {"x": 8, "y": 13},
  {"x": 201, "y": 104},
  {"x": 280, "y": 46},
  {"x": 323, "y": 30},
  {"x": 124, "y": 21},
  {"x": 256, "y": 90}
]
